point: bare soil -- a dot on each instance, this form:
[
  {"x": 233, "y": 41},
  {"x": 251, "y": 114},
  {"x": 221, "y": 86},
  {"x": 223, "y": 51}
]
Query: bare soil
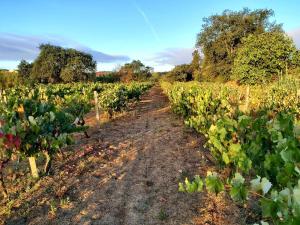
[{"x": 127, "y": 173}]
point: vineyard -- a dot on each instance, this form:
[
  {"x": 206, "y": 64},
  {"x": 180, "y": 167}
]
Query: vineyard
[
  {"x": 254, "y": 133},
  {"x": 149, "y": 113},
  {"x": 128, "y": 121},
  {"x": 248, "y": 140},
  {"x": 38, "y": 122}
]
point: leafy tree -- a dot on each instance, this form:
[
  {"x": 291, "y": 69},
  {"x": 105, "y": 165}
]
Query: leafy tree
[
  {"x": 24, "y": 69},
  {"x": 80, "y": 67},
  {"x": 221, "y": 35},
  {"x": 182, "y": 72},
  {"x": 135, "y": 70},
  {"x": 155, "y": 76},
  {"x": 195, "y": 65},
  {"x": 263, "y": 57},
  {"x": 186, "y": 72},
  {"x": 48, "y": 65},
  {"x": 296, "y": 59},
  {"x": 56, "y": 64}
]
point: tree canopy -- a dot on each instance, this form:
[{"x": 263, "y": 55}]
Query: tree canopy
[
  {"x": 296, "y": 59},
  {"x": 79, "y": 67},
  {"x": 24, "y": 70},
  {"x": 182, "y": 72},
  {"x": 56, "y": 64},
  {"x": 221, "y": 35},
  {"x": 196, "y": 65},
  {"x": 135, "y": 71},
  {"x": 263, "y": 57}
]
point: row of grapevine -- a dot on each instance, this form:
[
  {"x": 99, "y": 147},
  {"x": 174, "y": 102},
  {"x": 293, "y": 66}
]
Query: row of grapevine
[
  {"x": 116, "y": 98},
  {"x": 41, "y": 120},
  {"x": 254, "y": 134}
]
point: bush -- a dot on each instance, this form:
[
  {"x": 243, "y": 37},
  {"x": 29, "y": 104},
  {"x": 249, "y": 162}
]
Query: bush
[
  {"x": 8, "y": 79},
  {"x": 109, "y": 78}
]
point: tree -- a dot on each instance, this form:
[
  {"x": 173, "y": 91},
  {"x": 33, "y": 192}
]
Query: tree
[
  {"x": 263, "y": 57},
  {"x": 136, "y": 71},
  {"x": 24, "y": 69},
  {"x": 296, "y": 59},
  {"x": 195, "y": 65},
  {"x": 221, "y": 35},
  {"x": 182, "y": 73},
  {"x": 49, "y": 63},
  {"x": 79, "y": 67},
  {"x": 56, "y": 64}
]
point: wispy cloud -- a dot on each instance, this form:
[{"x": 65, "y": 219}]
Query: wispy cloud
[
  {"x": 15, "y": 47},
  {"x": 173, "y": 56},
  {"x": 295, "y": 34},
  {"x": 147, "y": 21}
]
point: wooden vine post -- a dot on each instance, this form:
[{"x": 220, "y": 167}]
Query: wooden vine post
[
  {"x": 2, "y": 96},
  {"x": 247, "y": 99},
  {"x": 31, "y": 159},
  {"x": 96, "y": 105},
  {"x": 33, "y": 167}
]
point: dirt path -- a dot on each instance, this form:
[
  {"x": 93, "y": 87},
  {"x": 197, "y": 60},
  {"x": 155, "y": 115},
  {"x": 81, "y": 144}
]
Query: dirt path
[{"x": 127, "y": 173}]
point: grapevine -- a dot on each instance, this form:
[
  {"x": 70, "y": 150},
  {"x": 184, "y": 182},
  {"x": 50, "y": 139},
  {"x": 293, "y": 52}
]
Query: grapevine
[{"x": 261, "y": 137}]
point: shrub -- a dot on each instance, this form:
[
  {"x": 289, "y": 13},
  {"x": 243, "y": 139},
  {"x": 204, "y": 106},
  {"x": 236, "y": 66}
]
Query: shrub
[{"x": 109, "y": 78}]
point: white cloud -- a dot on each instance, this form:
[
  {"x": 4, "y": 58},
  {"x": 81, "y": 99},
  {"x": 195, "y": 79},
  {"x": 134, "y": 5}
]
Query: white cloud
[
  {"x": 173, "y": 56},
  {"x": 15, "y": 47}
]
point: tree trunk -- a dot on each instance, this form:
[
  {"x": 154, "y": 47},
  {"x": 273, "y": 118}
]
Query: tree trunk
[
  {"x": 86, "y": 134},
  {"x": 110, "y": 113},
  {"x": 33, "y": 167},
  {"x": 81, "y": 122}
]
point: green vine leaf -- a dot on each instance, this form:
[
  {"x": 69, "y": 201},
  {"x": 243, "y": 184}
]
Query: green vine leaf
[{"x": 213, "y": 183}]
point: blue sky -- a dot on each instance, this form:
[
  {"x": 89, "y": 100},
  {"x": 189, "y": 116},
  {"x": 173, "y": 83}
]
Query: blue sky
[{"x": 162, "y": 33}]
